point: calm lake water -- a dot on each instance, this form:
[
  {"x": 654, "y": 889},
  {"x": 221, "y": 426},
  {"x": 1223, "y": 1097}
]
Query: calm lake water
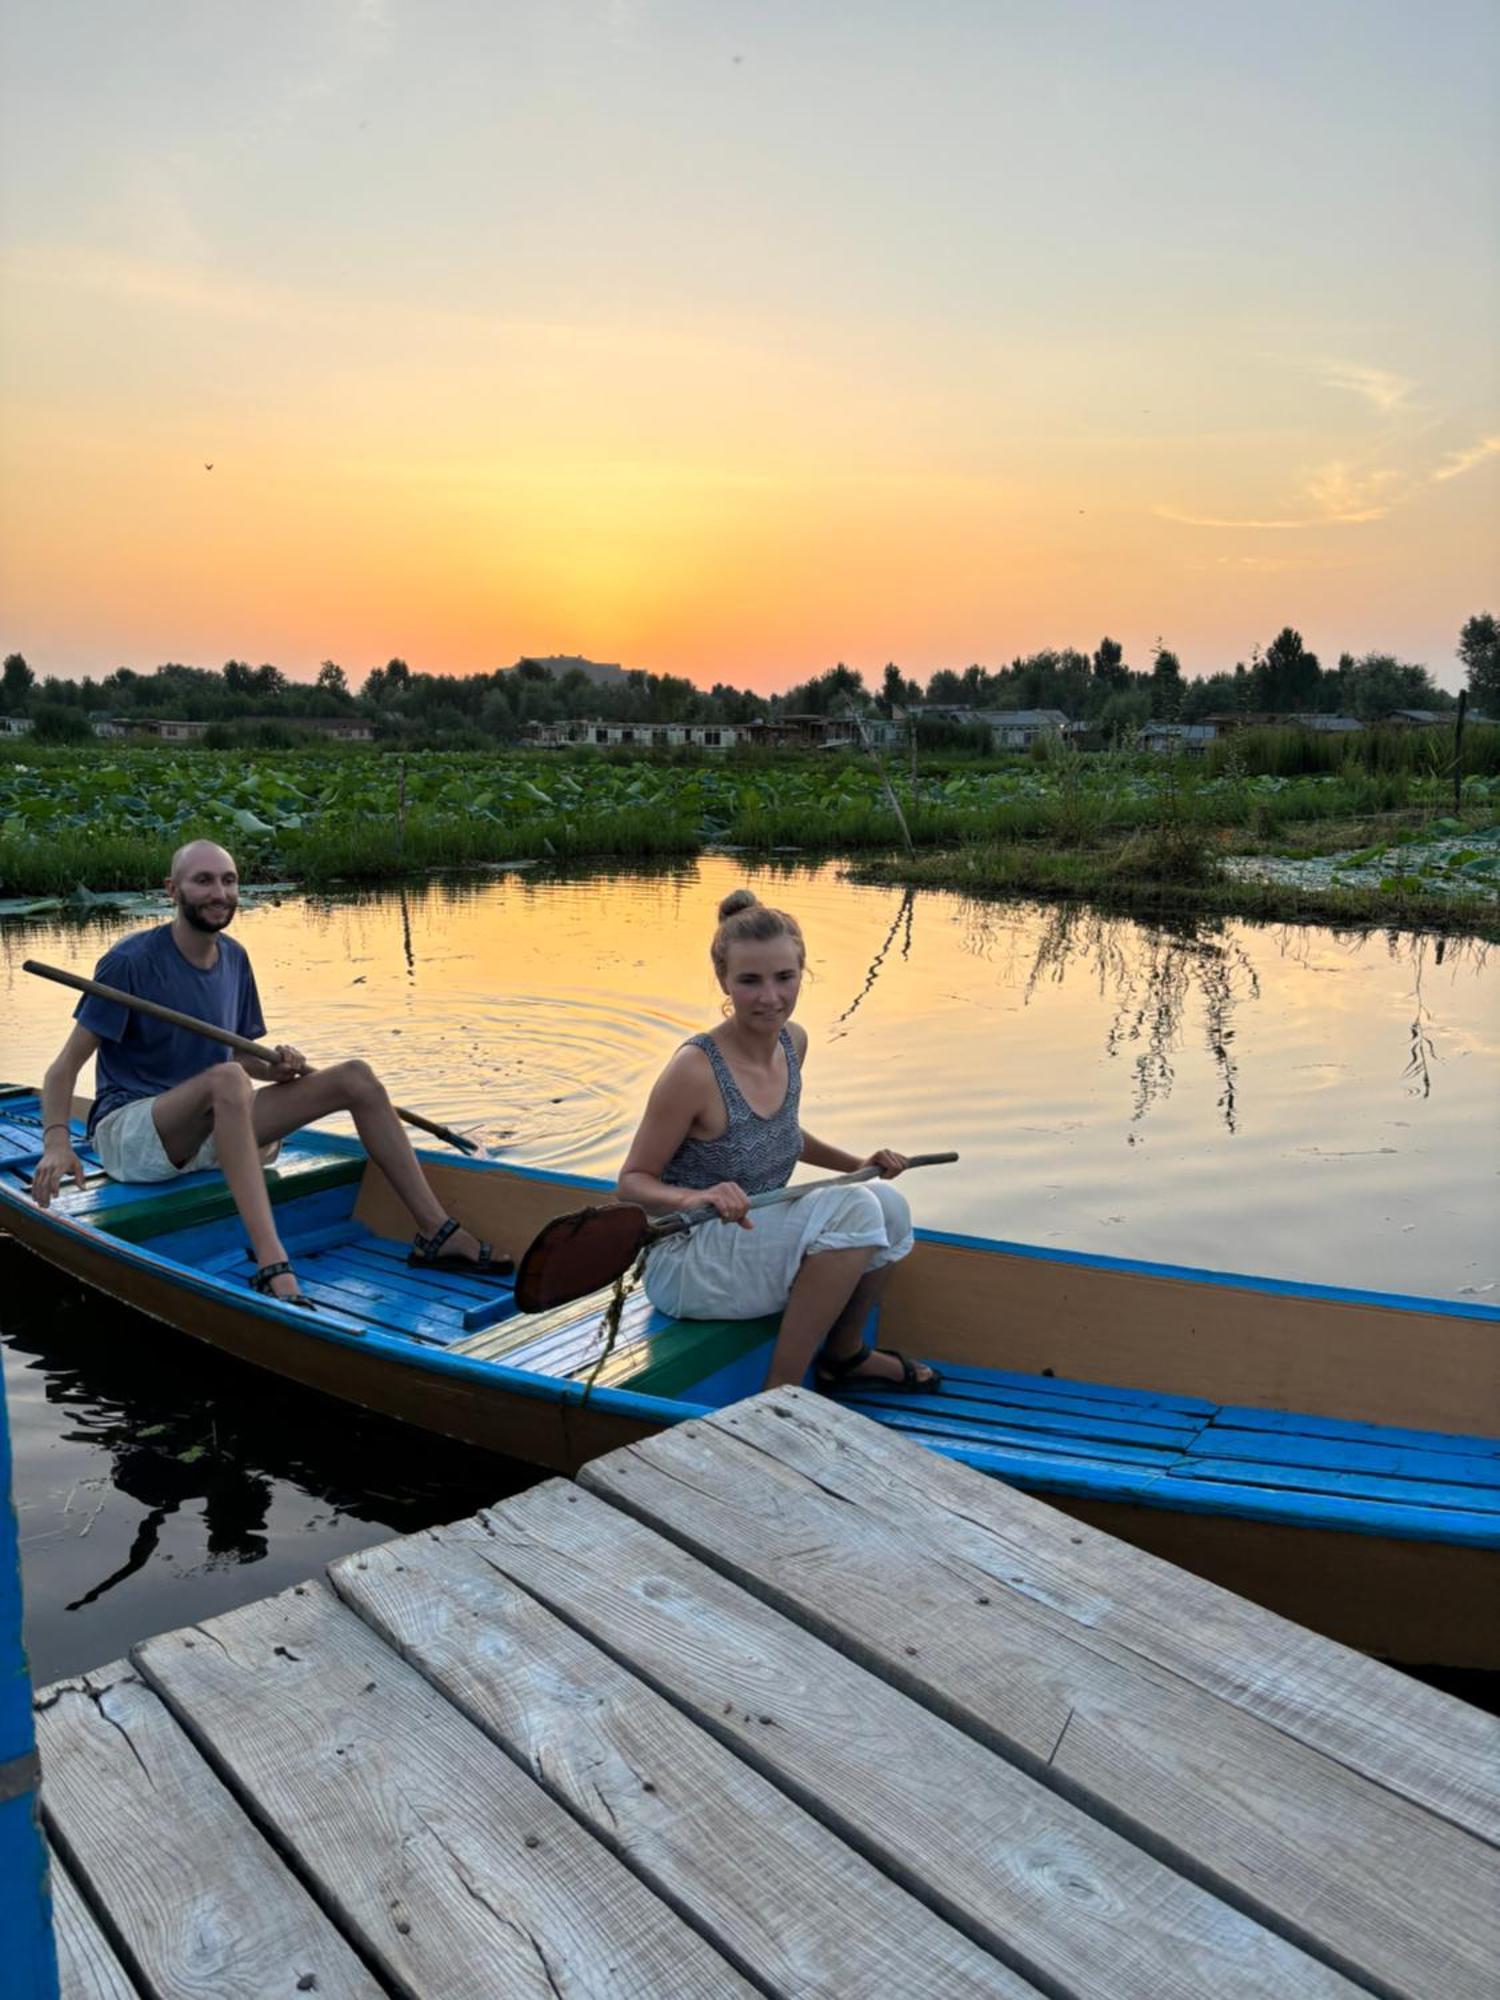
[{"x": 1289, "y": 1102}]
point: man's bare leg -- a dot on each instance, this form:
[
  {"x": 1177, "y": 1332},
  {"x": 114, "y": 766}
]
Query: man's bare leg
[
  {"x": 219, "y": 1101},
  {"x": 281, "y": 1108}
]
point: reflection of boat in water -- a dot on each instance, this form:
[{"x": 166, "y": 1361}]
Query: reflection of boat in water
[{"x": 1330, "y": 1453}]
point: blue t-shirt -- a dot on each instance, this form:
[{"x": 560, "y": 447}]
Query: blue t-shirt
[{"x": 142, "y": 1057}]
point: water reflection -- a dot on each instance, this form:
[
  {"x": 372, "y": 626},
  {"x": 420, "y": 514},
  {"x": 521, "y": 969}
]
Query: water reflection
[
  {"x": 1150, "y": 972},
  {"x": 146, "y": 1462},
  {"x": 900, "y": 922}
]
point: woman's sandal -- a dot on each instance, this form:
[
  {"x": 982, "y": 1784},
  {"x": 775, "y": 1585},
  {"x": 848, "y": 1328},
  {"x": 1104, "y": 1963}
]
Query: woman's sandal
[
  {"x": 831, "y": 1373},
  {"x": 426, "y": 1254},
  {"x": 268, "y": 1273}
]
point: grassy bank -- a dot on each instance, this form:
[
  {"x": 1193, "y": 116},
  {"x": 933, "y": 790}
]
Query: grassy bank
[
  {"x": 1138, "y": 831},
  {"x": 1159, "y": 871}
]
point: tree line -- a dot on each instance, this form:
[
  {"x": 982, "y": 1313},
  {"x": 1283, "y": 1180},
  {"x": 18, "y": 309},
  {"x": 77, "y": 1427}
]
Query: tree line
[{"x": 1100, "y": 688}]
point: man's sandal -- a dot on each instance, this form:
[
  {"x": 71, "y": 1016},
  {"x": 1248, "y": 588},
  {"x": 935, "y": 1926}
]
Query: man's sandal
[
  {"x": 427, "y": 1254},
  {"x": 266, "y": 1276},
  {"x": 831, "y": 1373}
]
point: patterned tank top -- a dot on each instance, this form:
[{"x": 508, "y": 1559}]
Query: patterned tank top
[{"x": 756, "y": 1153}]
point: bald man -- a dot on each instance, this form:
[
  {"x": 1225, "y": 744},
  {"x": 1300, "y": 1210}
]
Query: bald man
[{"x": 170, "y": 1102}]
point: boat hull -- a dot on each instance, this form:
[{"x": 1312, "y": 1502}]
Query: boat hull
[{"x": 1022, "y": 1323}]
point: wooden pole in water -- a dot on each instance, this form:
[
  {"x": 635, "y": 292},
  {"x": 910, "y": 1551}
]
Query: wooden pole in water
[{"x": 1458, "y": 750}]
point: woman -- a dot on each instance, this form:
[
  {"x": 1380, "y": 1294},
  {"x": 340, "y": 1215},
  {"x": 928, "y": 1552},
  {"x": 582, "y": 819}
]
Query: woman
[{"x": 722, "y": 1124}]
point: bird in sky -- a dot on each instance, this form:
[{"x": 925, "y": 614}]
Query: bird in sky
[{"x": 207, "y": 467}]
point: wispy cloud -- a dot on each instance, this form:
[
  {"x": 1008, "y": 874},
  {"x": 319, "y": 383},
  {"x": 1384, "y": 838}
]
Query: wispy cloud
[
  {"x": 1459, "y": 462},
  {"x": 1346, "y": 495},
  {"x": 1388, "y": 392}
]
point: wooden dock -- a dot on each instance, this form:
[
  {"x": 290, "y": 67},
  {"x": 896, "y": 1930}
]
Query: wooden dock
[{"x": 772, "y": 1703}]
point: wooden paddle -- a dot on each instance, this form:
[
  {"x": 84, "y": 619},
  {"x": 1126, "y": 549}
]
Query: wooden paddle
[
  {"x": 230, "y": 1040},
  {"x": 578, "y": 1253}
]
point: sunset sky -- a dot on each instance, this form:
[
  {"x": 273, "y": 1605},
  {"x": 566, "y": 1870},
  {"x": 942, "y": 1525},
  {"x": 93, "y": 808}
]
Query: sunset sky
[{"x": 734, "y": 340}]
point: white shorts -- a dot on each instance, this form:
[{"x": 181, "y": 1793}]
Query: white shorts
[
  {"x": 720, "y": 1271},
  {"x": 130, "y": 1148}
]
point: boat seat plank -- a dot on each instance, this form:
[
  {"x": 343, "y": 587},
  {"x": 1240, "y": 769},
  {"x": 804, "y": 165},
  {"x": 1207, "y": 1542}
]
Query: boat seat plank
[
  {"x": 1353, "y": 1485},
  {"x": 1068, "y": 1903},
  {"x": 1298, "y": 1425},
  {"x": 797, "y": 1512},
  {"x": 670, "y": 1799},
  {"x": 1042, "y": 1393},
  {"x": 875, "y": 1402},
  {"x": 458, "y": 1875},
  {"x": 1145, "y": 1400},
  {"x": 138, "y": 1213},
  {"x": 87, "y": 1968},
  {"x": 929, "y": 1418},
  {"x": 1425, "y": 1746},
  {"x": 200, "y": 1902},
  {"x": 1335, "y": 1455}
]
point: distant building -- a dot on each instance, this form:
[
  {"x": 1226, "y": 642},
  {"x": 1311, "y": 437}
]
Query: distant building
[
  {"x": 1167, "y": 737},
  {"x": 344, "y": 728},
  {"x": 1427, "y": 718},
  {"x": 15, "y": 725},
  {"x": 578, "y": 734},
  {"x": 1019, "y": 728},
  {"x": 1328, "y": 725},
  {"x": 108, "y": 725},
  {"x": 171, "y": 732}
]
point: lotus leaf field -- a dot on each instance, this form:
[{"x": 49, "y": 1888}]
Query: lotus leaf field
[{"x": 81, "y": 820}]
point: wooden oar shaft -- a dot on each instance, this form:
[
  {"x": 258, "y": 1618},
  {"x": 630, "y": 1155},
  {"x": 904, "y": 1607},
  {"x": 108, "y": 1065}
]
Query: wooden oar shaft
[
  {"x": 240, "y": 1043},
  {"x": 672, "y": 1225}
]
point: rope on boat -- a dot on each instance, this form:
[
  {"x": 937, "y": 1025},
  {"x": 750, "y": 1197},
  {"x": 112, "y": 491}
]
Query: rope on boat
[{"x": 611, "y": 1319}]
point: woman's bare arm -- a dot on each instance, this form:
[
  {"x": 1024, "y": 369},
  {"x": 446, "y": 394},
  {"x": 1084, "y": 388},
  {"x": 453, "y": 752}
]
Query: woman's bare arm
[{"x": 679, "y": 1097}]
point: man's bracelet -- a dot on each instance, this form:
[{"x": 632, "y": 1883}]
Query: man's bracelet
[{"x": 57, "y": 1125}]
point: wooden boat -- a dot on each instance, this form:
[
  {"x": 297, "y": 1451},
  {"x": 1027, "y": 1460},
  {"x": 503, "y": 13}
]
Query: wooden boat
[{"x": 1330, "y": 1453}]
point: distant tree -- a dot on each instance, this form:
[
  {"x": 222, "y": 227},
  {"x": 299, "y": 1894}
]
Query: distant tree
[
  {"x": 1110, "y": 669},
  {"x": 892, "y": 689},
  {"x": 1287, "y": 677},
  {"x": 239, "y": 677},
  {"x": 332, "y": 680},
  {"x": 52, "y": 722},
  {"x": 1377, "y": 685},
  {"x": 1166, "y": 683},
  {"x": 1478, "y": 648},
  {"x": 16, "y": 682},
  {"x": 945, "y": 688}
]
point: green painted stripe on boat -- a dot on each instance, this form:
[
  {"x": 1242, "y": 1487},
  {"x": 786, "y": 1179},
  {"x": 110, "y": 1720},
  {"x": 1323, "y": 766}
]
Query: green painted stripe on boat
[
  {"x": 689, "y": 1350},
  {"x": 165, "y": 1213}
]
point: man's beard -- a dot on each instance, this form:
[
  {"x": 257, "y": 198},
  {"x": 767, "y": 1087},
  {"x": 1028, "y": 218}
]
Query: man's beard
[{"x": 194, "y": 918}]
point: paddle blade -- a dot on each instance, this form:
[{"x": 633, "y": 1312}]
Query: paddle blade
[{"x": 576, "y": 1254}]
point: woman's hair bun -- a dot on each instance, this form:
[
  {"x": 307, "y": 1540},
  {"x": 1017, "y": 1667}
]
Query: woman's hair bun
[{"x": 735, "y": 901}]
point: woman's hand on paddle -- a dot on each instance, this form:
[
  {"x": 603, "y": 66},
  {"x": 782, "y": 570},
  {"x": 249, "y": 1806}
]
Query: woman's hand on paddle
[
  {"x": 728, "y": 1201},
  {"x": 57, "y": 1162},
  {"x": 889, "y": 1163}
]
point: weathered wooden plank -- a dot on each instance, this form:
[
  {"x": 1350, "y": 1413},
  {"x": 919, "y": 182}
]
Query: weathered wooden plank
[
  {"x": 1440, "y": 1753},
  {"x": 1394, "y": 1896},
  {"x": 199, "y": 1899},
  {"x": 456, "y": 1873},
  {"x": 702, "y": 1829},
  {"x": 1067, "y": 1902},
  {"x": 87, "y": 1968}
]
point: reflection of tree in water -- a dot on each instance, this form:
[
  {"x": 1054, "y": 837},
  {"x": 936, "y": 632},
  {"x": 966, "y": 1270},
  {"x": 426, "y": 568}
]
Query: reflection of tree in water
[
  {"x": 178, "y": 1424},
  {"x": 1153, "y": 970},
  {"x": 902, "y": 918}
]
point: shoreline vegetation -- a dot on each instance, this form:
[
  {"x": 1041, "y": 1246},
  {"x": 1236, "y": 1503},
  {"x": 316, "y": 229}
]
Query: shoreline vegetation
[{"x": 1268, "y": 824}]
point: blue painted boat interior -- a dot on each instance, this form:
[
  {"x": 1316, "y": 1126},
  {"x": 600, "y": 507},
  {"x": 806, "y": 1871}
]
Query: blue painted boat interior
[{"x": 1044, "y": 1433}]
